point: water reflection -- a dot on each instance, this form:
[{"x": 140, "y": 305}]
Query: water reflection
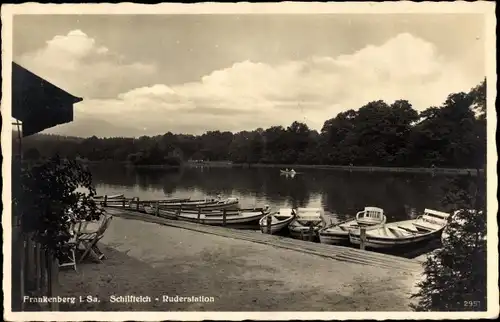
[{"x": 401, "y": 196}]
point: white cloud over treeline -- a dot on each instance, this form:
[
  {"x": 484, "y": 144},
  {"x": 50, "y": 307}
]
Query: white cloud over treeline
[{"x": 245, "y": 95}]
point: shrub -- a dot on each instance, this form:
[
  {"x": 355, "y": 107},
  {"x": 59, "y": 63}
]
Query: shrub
[
  {"x": 52, "y": 195},
  {"x": 455, "y": 275}
]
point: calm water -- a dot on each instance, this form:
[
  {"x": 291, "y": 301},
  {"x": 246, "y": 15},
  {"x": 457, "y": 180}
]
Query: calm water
[{"x": 402, "y": 196}]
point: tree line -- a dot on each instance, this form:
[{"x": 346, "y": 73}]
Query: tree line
[{"x": 377, "y": 134}]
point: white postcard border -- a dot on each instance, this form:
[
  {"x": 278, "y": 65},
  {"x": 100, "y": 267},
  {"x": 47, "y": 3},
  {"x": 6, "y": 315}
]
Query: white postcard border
[{"x": 486, "y": 8}]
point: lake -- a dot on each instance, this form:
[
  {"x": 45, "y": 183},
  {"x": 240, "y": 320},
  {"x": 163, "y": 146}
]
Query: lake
[{"x": 341, "y": 193}]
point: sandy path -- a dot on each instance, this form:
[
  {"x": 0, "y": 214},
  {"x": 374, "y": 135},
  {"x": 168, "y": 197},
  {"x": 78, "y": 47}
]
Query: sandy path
[{"x": 153, "y": 260}]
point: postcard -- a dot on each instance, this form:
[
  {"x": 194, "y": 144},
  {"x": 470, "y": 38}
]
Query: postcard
[{"x": 249, "y": 161}]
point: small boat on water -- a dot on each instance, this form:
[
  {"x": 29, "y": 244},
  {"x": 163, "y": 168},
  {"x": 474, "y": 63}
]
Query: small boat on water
[
  {"x": 370, "y": 218},
  {"x": 288, "y": 172},
  {"x": 279, "y": 220},
  {"x": 305, "y": 219},
  {"x": 425, "y": 227}
]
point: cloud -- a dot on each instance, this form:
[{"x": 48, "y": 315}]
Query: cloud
[
  {"x": 250, "y": 94},
  {"x": 78, "y": 64}
]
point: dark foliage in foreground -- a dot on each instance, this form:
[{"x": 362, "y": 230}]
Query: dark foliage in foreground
[
  {"x": 49, "y": 196},
  {"x": 455, "y": 275},
  {"x": 377, "y": 134}
]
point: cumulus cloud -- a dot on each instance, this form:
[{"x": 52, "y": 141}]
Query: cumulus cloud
[
  {"x": 250, "y": 94},
  {"x": 77, "y": 63}
]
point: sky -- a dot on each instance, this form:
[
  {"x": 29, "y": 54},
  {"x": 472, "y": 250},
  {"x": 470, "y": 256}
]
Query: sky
[{"x": 152, "y": 74}]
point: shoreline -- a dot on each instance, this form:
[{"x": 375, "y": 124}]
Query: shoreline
[
  {"x": 365, "y": 168},
  {"x": 219, "y": 164},
  {"x": 251, "y": 275}
]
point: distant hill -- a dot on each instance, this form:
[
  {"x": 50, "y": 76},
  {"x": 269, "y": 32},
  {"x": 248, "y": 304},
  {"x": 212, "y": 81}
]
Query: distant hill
[
  {"x": 41, "y": 137},
  {"x": 85, "y": 127}
]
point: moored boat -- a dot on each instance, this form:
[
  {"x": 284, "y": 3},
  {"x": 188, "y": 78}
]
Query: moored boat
[
  {"x": 370, "y": 218},
  {"x": 305, "y": 220},
  {"x": 279, "y": 221},
  {"x": 425, "y": 227},
  {"x": 206, "y": 204},
  {"x": 231, "y": 217}
]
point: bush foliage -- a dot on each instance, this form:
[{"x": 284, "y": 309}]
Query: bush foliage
[
  {"x": 50, "y": 196},
  {"x": 455, "y": 275}
]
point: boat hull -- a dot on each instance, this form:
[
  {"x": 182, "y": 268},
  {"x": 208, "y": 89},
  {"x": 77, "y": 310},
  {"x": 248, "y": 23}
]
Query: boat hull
[
  {"x": 339, "y": 234},
  {"x": 302, "y": 232},
  {"x": 378, "y": 241},
  {"x": 237, "y": 218},
  {"x": 275, "y": 227},
  {"x": 333, "y": 238}
]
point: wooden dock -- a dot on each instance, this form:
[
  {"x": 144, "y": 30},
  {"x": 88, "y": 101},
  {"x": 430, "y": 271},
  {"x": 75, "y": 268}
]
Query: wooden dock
[{"x": 345, "y": 254}]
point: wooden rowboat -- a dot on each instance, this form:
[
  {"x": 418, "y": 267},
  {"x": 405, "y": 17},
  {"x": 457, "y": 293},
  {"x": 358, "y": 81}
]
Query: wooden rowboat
[
  {"x": 213, "y": 217},
  {"x": 279, "y": 221},
  {"x": 305, "y": 220},
  {"x": 288, "y": 172},
  {"x": 206, "y": 204},
  {"x": 404, "y": 233},
  {"x": 370, "y": 218}
]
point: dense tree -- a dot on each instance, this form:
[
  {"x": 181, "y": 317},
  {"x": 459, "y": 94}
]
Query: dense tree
[
  {"x": 377, "y": 134},
  {"x": 455, "y": 275}
]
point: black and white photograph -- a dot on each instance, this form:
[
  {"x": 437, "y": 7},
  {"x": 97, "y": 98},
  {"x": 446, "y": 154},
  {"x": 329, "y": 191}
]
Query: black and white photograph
[{"x": 249, "y": 161}]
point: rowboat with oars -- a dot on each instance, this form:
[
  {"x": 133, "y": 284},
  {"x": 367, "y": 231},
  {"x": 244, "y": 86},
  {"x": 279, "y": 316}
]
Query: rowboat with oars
[
  {"x": 279, "y": 221},
  {"x": 306, "y": 221},
  {"x": 425, "y": 227},
  {"x": 338, "y": 233}
]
